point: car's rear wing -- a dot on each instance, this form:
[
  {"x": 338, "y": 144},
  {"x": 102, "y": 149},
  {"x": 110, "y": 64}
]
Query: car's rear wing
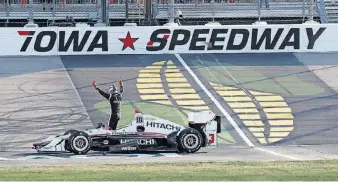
[{"x": 208, "y": 123}]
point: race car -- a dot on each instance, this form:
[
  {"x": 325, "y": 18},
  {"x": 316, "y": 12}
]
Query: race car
[{"x": 145, "y": 133}]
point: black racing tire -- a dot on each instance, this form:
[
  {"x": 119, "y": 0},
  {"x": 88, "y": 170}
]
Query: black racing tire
[
  {"x": 80, "y": 142},
  {"x": 67, "y": 146},
  {"x": 189, "y": 140}
]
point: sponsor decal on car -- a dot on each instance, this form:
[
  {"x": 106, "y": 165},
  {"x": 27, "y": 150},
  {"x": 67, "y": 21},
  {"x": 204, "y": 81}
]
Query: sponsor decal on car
[
  {"x": 162, "y": 125},
  {"x": 139, "y": 119},
  {"x": 123, "y": 133},
  {"x": 128, "y": 148},
  {"x": 150, "y": 118},
  {"x": 139, "y": 141}
]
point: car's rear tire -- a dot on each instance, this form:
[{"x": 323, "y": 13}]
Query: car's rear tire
[
  {"x": 67, "y": 146},
  {"x": 189, "y": 140},
  {"x": 80, "y": 142}
]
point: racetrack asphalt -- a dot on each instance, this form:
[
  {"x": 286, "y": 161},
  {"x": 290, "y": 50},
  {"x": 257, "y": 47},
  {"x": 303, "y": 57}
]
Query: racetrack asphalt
[
  {"x": 314, "y": 135},
  {"x": 37, "y": 100},
  {"x": 314, "y": 111}
]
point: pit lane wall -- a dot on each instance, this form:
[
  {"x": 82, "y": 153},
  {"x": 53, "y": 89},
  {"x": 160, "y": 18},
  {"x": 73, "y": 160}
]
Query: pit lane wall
[{"x": 169, "y": 39}]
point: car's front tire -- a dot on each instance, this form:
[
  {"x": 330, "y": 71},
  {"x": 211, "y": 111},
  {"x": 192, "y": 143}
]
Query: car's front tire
[
  {"x": 67, "y": 146},
  {"x": 189, "y": 140},
  {"x": 80, "y": 142}
]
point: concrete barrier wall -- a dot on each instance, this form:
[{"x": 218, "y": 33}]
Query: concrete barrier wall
[{"x": 162, "y": 39}]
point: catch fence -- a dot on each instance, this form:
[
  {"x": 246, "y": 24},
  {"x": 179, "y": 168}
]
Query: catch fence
[{"x": 155, "y": 11}]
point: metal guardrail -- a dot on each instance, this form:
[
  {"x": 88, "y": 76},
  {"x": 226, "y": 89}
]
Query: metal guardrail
[{"x": 106, "y": 10}]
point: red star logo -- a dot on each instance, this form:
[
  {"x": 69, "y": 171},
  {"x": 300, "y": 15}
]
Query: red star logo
[{"x": 128, "y": 41}]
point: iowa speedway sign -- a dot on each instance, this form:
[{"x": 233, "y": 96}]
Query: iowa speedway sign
[{"x": 158, "y": 40}]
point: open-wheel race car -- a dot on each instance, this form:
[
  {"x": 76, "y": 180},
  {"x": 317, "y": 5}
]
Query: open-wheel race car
[{"x": 145, "y": 133}]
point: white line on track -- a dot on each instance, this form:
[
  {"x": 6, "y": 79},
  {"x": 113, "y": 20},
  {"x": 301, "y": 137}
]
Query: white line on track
[
  {"x": 230, "y": 76},
  {"x": 225, "y": 113},
  {"x": 76, "y": 91},
  {"x": 215, "y": 78},
  {"x": 275, "y": 153},
  {"x": 220, "y": 107},
  {"x": 236, "y": 81}
]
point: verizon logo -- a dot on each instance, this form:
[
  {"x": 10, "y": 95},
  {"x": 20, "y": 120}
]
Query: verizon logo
[{"x": 128, "y": 148}]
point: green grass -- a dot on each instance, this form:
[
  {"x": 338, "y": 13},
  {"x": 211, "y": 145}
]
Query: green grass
[
  {"x": 298, "y": 87},
  {"x": 325, "y": 170},
  {"x": 158, "y": 110},
  {"x": 253, "y": 80},
  {"x": 248, "y": 78}
]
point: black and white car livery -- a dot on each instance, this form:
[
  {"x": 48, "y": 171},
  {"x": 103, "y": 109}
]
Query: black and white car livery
[{"x": 145, "y": 133}]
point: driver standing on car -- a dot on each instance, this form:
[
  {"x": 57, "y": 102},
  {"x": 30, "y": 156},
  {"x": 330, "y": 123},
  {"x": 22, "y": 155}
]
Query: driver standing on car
[{"x": 114, "y": 97}]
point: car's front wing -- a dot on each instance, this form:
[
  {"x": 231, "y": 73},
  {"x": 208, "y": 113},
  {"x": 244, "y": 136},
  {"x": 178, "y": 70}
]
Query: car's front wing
[{"x": 57, "y": 144}]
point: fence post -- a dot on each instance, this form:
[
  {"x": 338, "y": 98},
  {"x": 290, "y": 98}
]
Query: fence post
[
  {"x": 304, "y": 8},
  {"x": 259, "y": 10},
  {"x": 148, "y": 9},
  {"x": 107, "y": 13},
  {"x": 312, "y": 11},
  {"x": 104, "y": 11},
  {"x": 126, "y": 10},
  {"x": 171, "y": 12},
  {"x": 53, "y": 11},
  {"x": 7, "y": 12},
  {"x": 30, "y": 9},
  {"x": 213, "y": 10},
  {"x": 100, "y": 11}
]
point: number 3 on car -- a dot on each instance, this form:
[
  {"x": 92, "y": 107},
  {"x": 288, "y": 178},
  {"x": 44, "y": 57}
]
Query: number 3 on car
[{"x": 211, "y": 141}]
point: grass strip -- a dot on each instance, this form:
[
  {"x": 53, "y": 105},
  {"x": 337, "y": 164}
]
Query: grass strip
[{"x": 323, "y": 170}]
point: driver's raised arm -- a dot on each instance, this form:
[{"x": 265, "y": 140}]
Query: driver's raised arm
[
  {"x": 121, "y": 88},
  {"x": 104, "y": 94}
]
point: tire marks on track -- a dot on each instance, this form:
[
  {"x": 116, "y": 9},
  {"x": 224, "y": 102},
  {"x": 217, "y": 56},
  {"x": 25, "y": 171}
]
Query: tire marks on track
[{"x": 36, "y": 105}]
